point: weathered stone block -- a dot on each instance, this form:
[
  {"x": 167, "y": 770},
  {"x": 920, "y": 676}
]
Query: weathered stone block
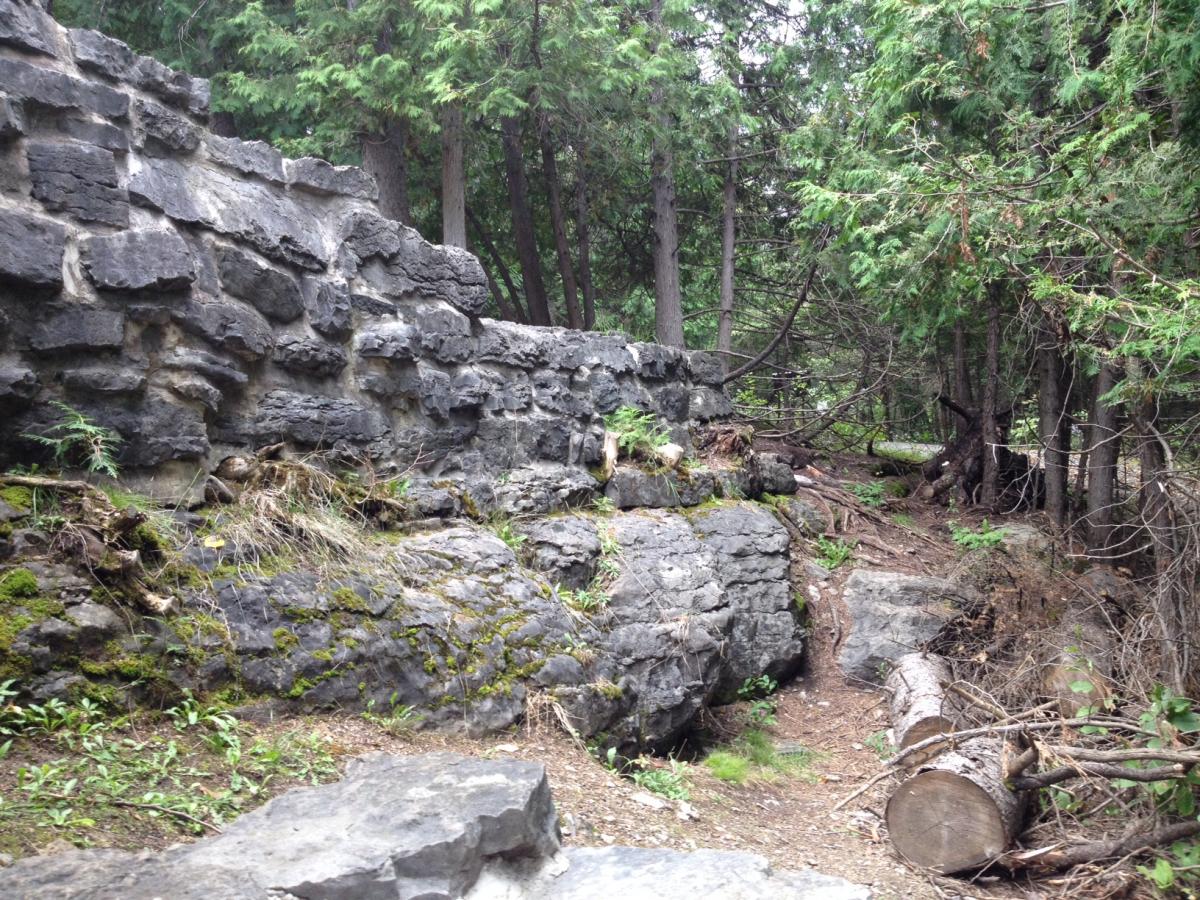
[
  {"x": 12, "y": 119},
  {"x": 79, "y": 329},
  {"x": 58, "y": 91},
  {"x": 510, "y": 344},
  {"x": 265, "y": 218},
  {"x": 181, "y": 90},
  {"x": 162, "y": 131},
  {"x": 316, "y": 421},
  {"x": 78, "y": 179},
  {"x": 17, "y": 384},
  {"x": 96, "y": 52},
  {"x": 33, "y": 250},
  {"x": 248, "y": 157},
  {"x": 230, "y": 326},
  {"x": 705, "y": 367},
  {"x": 274, "y": 293},
  {"x": 393, "y": 341},
  {"x": 318, "y": 177},
  {"x": 101, "y": 380},
  {"x": 26, "y": 26},
  {"x": 149, "y": 259},
  {"x": 309, "y": 356},
  {"x": 328, "y": 305},
  {"x": 99, "y": 133}
]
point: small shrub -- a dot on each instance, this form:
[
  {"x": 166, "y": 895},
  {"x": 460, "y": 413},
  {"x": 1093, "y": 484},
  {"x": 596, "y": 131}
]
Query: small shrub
[
  {"x": 670, "y": 783},
  {"x": 504, "y": 530},
  {"x": 983, "y": 538},
  {"x": 834, "y": 552},
  {"x": 869, "y": 494},
  {"x": 637, "y": 432},
  {"x": 77, "y": 440},
  {"x": 585, "y": 600}
]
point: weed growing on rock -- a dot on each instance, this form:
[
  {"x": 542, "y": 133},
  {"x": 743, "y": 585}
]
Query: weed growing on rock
[
  {"x": 584, "y": 600},
  {"x": 75, "y": 440},
  {"x": 638, "y": 432}
]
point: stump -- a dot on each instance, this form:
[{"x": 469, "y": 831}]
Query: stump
[
  {"x": 920, "y": 706},
  {"x": 955, "y": 812}
]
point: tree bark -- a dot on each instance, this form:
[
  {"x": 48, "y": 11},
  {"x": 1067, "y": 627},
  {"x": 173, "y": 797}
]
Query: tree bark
[
  {"x": 956, "y": 812},
  {"x": 583, "y": 238},
  {"x": 1054, "y": 437},
  {"x": 558, "y": 224},
  {"x": 384, "y": 156},
  {"x": 522, "y": 221},
  {"x": 454, "y": 178},
  {"x": 1102, "y": 465},
  {"x": 919, "y": 705},
  {"x": 990, "y": 487},
  {"x": 963, "y": 394},
  {"x": 1171, "y": 594},
  {"x": 728, "y": 235},
  {"x": 485, "y": 240},
  {"x": 668, "y": 302}
]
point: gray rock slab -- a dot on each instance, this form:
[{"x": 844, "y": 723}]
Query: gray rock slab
[
  {"x": 78, "y": 179},
  {"x": 144, "y": 259},
  {"x": 33, "y": 250},
  {"x": 639, "y": 873},
  {"x": 393, "y": 827},
  {"x": 892, "y": 614},
  {"x": 45, "y": 87}
]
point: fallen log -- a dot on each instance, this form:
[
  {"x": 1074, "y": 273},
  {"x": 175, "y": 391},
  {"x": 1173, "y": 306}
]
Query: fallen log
[
  {"x": 1051, "y": 858},
  {"x": 920, "y": 706},
  {"x": 956, "y": 812}
]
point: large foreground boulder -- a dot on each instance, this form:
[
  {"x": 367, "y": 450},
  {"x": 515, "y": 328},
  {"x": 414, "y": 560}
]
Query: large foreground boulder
[
  {"x": 433, "y": 827},
  {"x": 892, "y": 613}
]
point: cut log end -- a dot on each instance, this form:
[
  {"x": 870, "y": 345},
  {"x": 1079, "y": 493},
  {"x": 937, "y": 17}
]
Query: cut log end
[{"x": 946, "y": 823}]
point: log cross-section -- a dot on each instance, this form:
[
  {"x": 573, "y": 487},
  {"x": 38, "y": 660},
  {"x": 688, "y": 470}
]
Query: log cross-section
[{"x": 956, "y": 812}]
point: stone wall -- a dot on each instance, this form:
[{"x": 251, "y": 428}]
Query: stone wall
[{"x": 202, "y": 294}]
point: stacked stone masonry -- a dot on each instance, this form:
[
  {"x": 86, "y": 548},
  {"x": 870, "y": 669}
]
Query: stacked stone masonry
[{"x": 202, "y": 294}]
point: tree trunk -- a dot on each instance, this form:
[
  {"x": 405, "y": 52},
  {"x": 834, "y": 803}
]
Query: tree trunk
[
  {"x": 1052, "y": 414},
  {"x": 963, "y": 394},
  {"x": 454, "y": 178},
  {"x": 384, "y": 156},
  {"x": 956, "y": 813},
  {"x": 522, "y": 221},
  {"x": 728, "y": 234},
  {"x": 559, "y": 225},
  {"x": 990, "y": 487},
  {"x": 583, "y": 237},
  {"x": 498, "y": 262},
  {"x": 1102, "y": 465},
  {"x": 668, "y": 303},
  {"x": 919, "y": 705},
  {"x": 1171, "y": 596}
]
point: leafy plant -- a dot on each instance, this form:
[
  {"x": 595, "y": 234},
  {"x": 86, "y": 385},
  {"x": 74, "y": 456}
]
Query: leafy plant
[
  {"x": 584, "y": 600},
  {"x": 878, "y": 741},
  {"x": 503, "y": 529},
  {"x": 754, "y": 756},
  {"x": 756, "y": 691},
  {"x": 401, "y": 719},
  {"x": 638, "y": 432},
  {"x": 76, "y": 440},
  {"x": 670, "y": 782},
  {"x": 985, "y": 537},
  {"x": 871, "y": 493},
  {"x": 834, "y": 551}
]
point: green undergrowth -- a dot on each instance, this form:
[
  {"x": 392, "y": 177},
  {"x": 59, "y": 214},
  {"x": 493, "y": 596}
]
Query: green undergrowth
[
  {"x": 753, "y": 756},
  {"x": 95, "y": 777}
]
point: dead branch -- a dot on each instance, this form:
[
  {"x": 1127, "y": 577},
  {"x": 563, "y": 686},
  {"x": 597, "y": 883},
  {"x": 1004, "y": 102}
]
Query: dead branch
[
  {"x": 1094, "y": 851},
  {"x": 1099, "y": 770}
]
